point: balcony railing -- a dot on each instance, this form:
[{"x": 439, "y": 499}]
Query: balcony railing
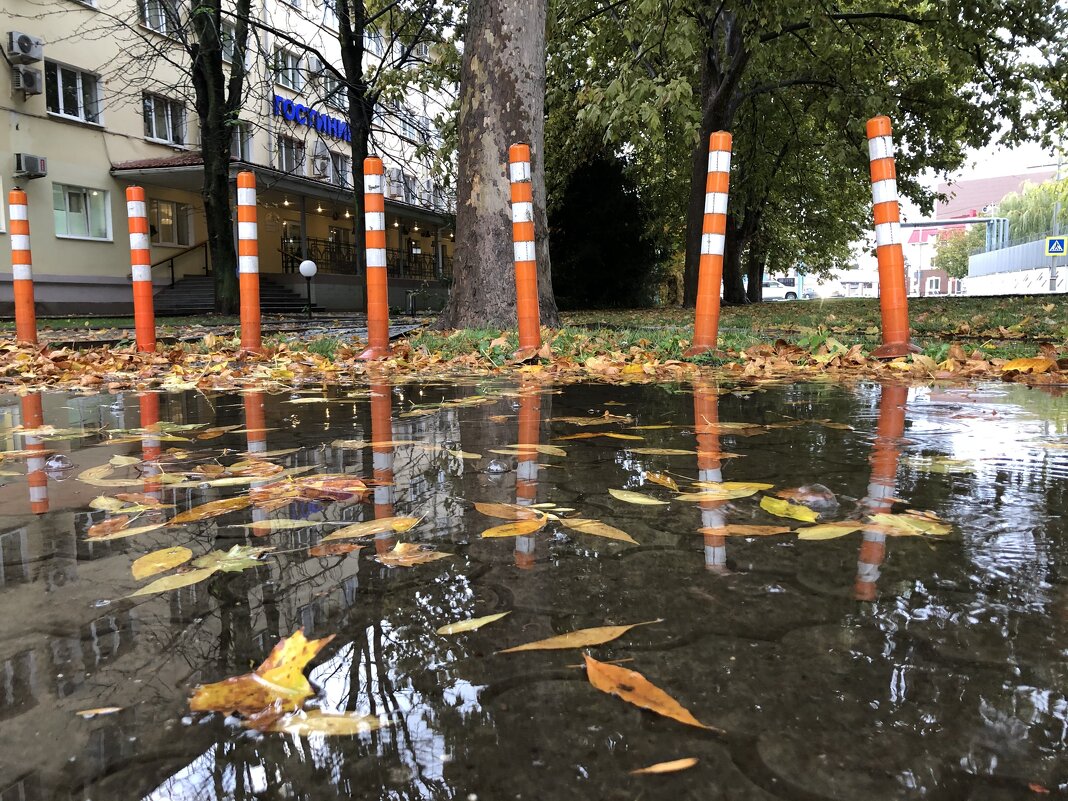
[{"x": 339, "y": 258}]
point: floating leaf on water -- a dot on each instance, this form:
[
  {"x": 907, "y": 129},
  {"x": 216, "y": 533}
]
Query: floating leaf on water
[
  {"x": 133, "y": 531},
  {"x": 462, "y": 454},
  {"x": 523, "y": 448},
  {"x": 98, "y": 477},
  {"x": 103, "y": 503},
  {"x": 661, "y": 479},
  {"x": 160, "y": 561},
  {"x": 409, "y": 554},
  {"x": 279, "y": 682},
  {"x": 649, "y": 428},
  {"x": 108, "y": 526},
  {"x": 829, "y": 531},
  {"x": 238, "y": 558},
  {"x": 215, "y": 431},
  {"x": 661, "y": 451},
  {"x": 635, "y": 689},
  {"x": 744, "y": 531},
  {"x": 581, "y": 435},
  {"x": 635, "y": 497},
  {"x": 316, "y": 721},
  {"x": 673, "y": 766},
  {"x": 713, "y": 495},
  {"x": 87, "y": 714},
  {"x": 782, "y": 508},
  {"x": 211, "y": 509},
  {"x": 471, "y": 624},
  {"x": 751, "y": 487},
  {"x": 123, "y": 461},
  {"x": 912, "y": 523},
  {"x": 592, "y": 421},
  {"x": 175, "y": 582},
  {"x": 141, "y": 499},
  {"x": 597, "y": 529},
  {"x": 508, "y": 511},
  {"x": 261, "y": 527},
  {"x": 617, "y": 435},
  {"x": 515, "y": 529},
  {"x": 580, "y": 638},
  {"x": 369, "y": 528},
  {"x": 334, "y": 549}
]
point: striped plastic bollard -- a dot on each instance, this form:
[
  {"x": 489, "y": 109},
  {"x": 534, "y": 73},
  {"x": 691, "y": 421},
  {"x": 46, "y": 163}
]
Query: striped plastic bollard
[
  {"x": 526, "y": 470},
  {"x": 151, "y": 447},
  {"x": 375, "y": 243},
  {"x": 22, "y": 267},
  {"x": 709, "y": 468},
  {"x": 141, "y": 269},
  {"x": 713, "y": 244},
  {"x": 248, "y": 262},
  {"x": 382, "y": 461},
  {"x": 893, "y": 296},
  {"x": 526, "y": 263},
  {"x": 36, "y": 477}
]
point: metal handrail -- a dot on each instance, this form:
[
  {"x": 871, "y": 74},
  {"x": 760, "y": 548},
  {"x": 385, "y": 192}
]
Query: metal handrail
[{"x": 170, "y": 259}]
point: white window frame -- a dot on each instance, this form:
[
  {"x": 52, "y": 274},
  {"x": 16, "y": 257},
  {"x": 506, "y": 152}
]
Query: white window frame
[
  {"x": 301, "y": 157},
  {"x": 171, "y": 106},
  {"x": 933, "y": 285},
  {"x": 227, "y": 33},
  {"x": 373, "y": 42},
  {"x": 287, "y": 71},
  {"x": 334, "y": 94},
  {"x": 165, "y": 13},
  {"x": 340, "y": 169},
  {"x": 179, "y": 209},
  {"x": 85, "y": 192},
  {"x": 330, "y": 14},
  {"x": 408, "y": 127},
  {"x": 80, "y": 76},
  {"x": 241, "y": 137}
]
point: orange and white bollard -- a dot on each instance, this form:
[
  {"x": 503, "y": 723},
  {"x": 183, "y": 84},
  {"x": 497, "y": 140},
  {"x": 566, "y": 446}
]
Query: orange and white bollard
[
  {"x": 141, "y": 269},
  {"x": 248, "y": 262},
  {"x": 526, "y": 471},
  {"x": 382, "y": 461},
  {"x": 713, "y": 245},
  {"x": 36, "y": 477},
  {"x": 374, "y": 215},
  {"x": 151, "y": 447},
  {"x": 528, "y": 311},
  {"x": 881, "y": 486},
  {"x": 22, "y": 267},
  {"x": 256, "y": 439},
  {"x": 710, "y": 468},
  {"x": 893, "y": 294}
]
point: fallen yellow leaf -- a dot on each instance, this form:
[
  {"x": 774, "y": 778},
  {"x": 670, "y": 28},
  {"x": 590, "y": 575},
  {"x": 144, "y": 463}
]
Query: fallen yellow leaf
[
  {"x": 580, "y": 638},
  {"x": 175, "y": 582},
  {"x": 829, "y": 531},
  {"x": 661, "y": 479},
  {"x": 597, "y": 529},
  {"x": 160, "y": 561},
  {"x": 471, "y": 624},
  {"x": 635, "y": 689},
  {"x": 369, "y": 527},
  {"x": 211, "y": 509},
  {"x": 744, "y": 531},
  {"x": 635, "y": 497},
  {"x": 514, "y": 529},
  {"x": 1034, "y": 365},
  {"x": 508, "y": 511},
  {"x": 409, "y": 554},
  {"x": 783, "y": 508},
  {"x": 666, "y": 767}
]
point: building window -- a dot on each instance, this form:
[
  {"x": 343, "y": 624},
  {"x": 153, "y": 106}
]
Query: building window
[
  {"x": 330, "y": 14},
  {"x": 408, "y": 127},
  {"x": 290, "y": 155},
  {"x": 334, "y": 94},
  {"x": 287, "y": 69},
  {"x": 228, "y": 40},
  {"x": 241, "y": 142},
  {"x": 164, "y": 119},
  {"x": 72, "y": 93},
  {"x": 81, "y": 213},
  {"x": 171, "y": 222},
  {"x": 340, "y": 169},
  {"x": 161, "y": 16},
  {"x": 373, "y": 43},
  {"x": 934, "y": 285}
]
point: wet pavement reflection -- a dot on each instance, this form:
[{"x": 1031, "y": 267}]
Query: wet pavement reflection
[{"x": 864, "y": 666}]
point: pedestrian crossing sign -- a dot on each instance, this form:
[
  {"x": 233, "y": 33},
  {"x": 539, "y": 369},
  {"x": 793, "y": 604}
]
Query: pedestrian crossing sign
[{"x": 1055, "y": 245}]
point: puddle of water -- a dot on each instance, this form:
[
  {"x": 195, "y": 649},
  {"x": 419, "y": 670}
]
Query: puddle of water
[{"x": 863, "y": 667}]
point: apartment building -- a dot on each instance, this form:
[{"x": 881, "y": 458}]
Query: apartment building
[{"x": 98, "y": 100}]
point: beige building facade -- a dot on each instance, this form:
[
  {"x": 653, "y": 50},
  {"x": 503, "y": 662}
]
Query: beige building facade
[{"x": 97, "y": 100}]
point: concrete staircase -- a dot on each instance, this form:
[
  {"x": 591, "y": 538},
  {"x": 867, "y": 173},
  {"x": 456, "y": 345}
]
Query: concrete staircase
[{"x": 195, "y": 294}]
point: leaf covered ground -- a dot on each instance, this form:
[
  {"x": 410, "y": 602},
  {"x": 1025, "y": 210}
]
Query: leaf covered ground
[{"x": 962, "y": 339}]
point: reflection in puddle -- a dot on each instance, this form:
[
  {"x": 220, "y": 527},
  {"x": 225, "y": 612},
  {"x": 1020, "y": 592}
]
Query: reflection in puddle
[{"x": 943, "y": 660}]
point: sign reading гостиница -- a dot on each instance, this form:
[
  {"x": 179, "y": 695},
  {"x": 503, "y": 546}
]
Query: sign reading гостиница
[{"x": 303, "y": 115}]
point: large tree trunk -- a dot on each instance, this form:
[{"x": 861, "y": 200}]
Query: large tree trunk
[
  {"x": 755, "y": 261},
  {"x": 733, "y": 288},
  {"x": 352, "y": 21},
  {"x": 502, "y": 102},
  {"x": 219, "y": 218}
]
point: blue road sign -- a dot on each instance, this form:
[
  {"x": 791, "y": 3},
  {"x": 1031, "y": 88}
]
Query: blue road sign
[{"x": 1055, "y": 245}]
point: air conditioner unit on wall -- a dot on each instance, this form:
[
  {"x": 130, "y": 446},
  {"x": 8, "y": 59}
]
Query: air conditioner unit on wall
[
  {"x": 28, "y": 80},
  {"x": 23, "y": 48},
  {"x": 28, "y": 166}
]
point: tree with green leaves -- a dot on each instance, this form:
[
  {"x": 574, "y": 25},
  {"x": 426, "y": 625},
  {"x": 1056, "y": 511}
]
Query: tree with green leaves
[
  {"x": 1031, "y": 210},
  {"x": 953, "y": 250}
]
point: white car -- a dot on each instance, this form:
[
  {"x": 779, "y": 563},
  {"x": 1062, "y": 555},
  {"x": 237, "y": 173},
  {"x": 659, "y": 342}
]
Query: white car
[{"x": 774, "y": 290}]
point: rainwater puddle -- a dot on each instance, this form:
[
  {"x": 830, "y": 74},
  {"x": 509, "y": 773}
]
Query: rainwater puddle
[{"x": 867, "y": 666}]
